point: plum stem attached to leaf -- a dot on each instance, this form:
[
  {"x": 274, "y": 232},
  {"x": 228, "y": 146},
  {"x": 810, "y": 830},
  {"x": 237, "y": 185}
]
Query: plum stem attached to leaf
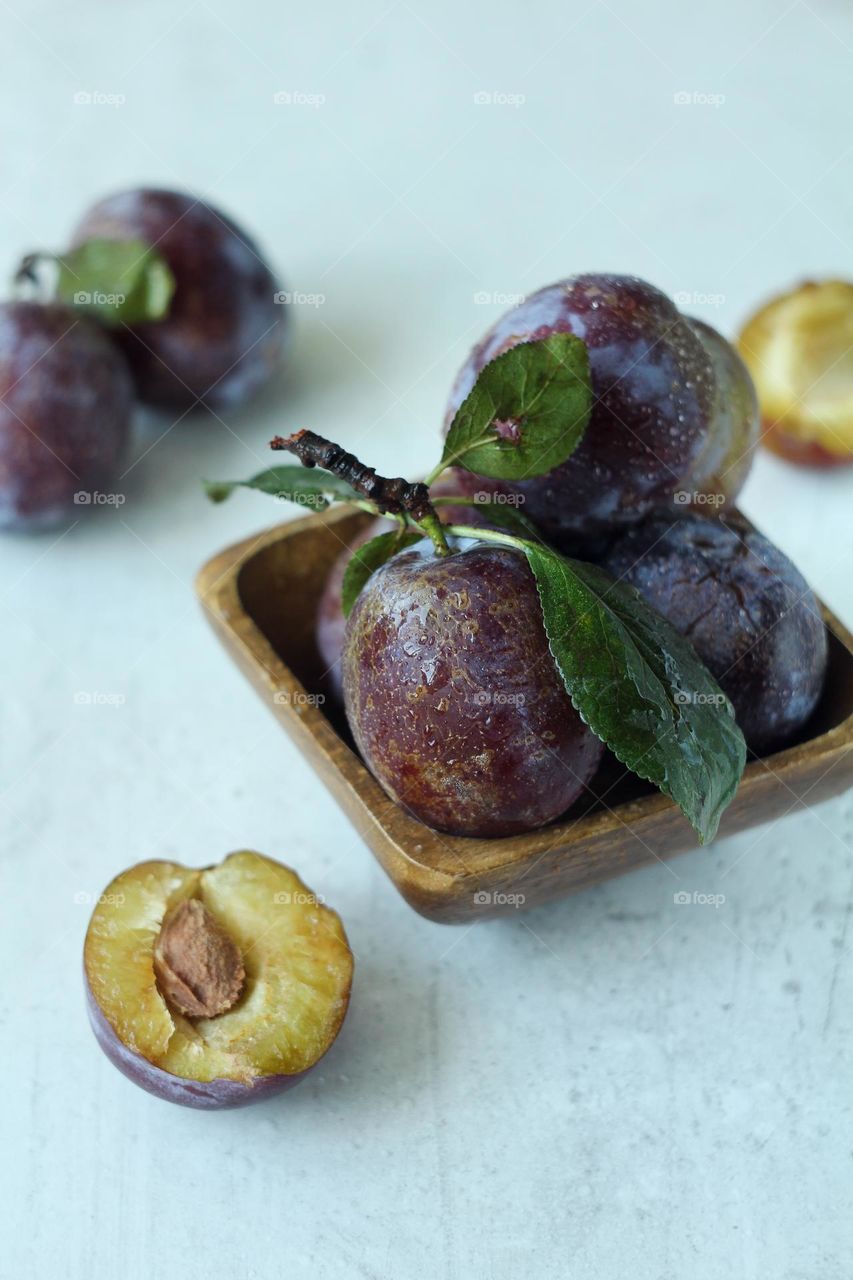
[{"x": 391, "y": 496}]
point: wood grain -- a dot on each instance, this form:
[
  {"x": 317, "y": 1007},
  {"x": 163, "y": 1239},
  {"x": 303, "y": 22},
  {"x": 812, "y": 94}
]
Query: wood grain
[{"x": 261, "y": 597}]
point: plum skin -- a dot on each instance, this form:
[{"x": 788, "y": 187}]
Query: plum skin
[
  {"x": 805, "y": 453},
  {"x": 201, "y": 1095},
  {"x": 66, "y": 403},
  {"x": 720, "y": 471},
  {"x": 454, "y": 699},
  {"x": 222, "y": 338},
  {"x": 654, "y": 387},
  {"x": 744, "y": 606},
  {"x": 330, "y": 623}
]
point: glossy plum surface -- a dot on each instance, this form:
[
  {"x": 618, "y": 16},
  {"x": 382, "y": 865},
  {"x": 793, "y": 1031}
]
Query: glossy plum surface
[
  {"x": 222, "y": 338},
  {"x": 746, "y": 609},
  {"x": 719, "y": 473},
  {"x": 653, "y": 381},
  {"x": 454, "y": 699},
  {"x": 66, "y": 400},
  {"x": 331, "y": 623}
]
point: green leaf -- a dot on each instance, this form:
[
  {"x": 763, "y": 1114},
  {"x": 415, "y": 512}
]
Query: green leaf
[
  {"x": 368, "y": 558},
  {"x": 526, "y": 412},
  {"x": 306, "y": 486},
  {"x": 117, "y": 281},
  {"x": 640, "y": 687}
]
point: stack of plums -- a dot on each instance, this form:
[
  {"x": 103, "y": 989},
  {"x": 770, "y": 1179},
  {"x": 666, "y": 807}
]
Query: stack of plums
[
  {"x": 450, "y": 688},
  {"x": 165, "y": 300}
]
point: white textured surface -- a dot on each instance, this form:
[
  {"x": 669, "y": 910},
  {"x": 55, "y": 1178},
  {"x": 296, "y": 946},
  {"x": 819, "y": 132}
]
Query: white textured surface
[{"x": 610, "y": 1086}]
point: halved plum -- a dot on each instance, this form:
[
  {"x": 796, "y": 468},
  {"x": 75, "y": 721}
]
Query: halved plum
[
  {"x": 218, "y": 987},
  {"x": 799, "y": 349}
]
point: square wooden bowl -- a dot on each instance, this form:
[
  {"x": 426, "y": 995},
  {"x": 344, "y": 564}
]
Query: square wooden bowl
[{"x": 261, "y": 597}]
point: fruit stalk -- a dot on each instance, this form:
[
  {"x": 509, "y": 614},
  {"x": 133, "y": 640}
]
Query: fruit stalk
[{"x": 390, "y": 496}]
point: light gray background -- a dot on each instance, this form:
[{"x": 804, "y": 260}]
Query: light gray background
[{"x": 614, "y": 1085}]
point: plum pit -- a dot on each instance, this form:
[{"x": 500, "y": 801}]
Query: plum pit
[{"x": 198, "y": 966}]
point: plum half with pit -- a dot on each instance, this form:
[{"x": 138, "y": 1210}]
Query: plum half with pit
[
  {"x": 453, "y": 696},
  {"x": 654, "y": 386},
  {"x": 748, "y": 612},
  {"x": 66, "y": 402},
  {"x": 219, "y": 987},
  {"x": 222, "y": 337},
  {"x": 799, "y": 348}
]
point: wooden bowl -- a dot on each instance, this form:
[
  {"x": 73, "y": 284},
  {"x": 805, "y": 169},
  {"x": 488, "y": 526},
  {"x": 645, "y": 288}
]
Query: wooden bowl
[{"x": 261, "y": 597}]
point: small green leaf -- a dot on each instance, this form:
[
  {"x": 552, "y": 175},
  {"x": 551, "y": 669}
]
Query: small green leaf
[
  {"x": 307, "y": 487},
  {"x": 640, "y": 687},
  {"x": 117, "y": 281},
  {"x": 526, "y": 412},
  {"x": 368, "y": 558}
]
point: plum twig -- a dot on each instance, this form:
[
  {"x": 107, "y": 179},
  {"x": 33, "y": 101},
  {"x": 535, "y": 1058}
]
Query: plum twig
[{"x": 391, "y": 496}]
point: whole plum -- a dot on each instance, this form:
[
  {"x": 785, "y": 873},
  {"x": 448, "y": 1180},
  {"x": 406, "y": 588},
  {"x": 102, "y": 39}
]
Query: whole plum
[
  {"x": 66, "y": 400},
  {"x": 743, "y": 605},
  {"x": 453, "y": 696},
  {"x": 654, "y": 386},
  {"x": 222, "y": 338}
]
